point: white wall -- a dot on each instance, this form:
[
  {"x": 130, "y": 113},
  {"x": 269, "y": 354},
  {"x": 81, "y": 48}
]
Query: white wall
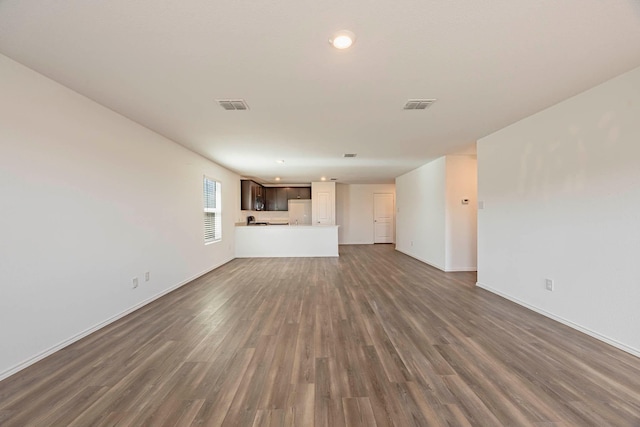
[
  {"x": 432, "y": 223},
  {"x": 354, "y": 211},
  {"x": 561, "y": 193},
  {"x": 89, "y": 201},
  {"x": 421, "y": 213},
  {"x": 461, "y": 221}
]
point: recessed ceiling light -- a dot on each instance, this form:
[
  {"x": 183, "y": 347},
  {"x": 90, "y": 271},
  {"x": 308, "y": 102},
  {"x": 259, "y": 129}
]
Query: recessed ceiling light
[
  {"x": 280, "y": 161},
  {"x": 324, "y": 178},
  {"x": 342, "y": 39},
  {"x": 277, "y": 178}
]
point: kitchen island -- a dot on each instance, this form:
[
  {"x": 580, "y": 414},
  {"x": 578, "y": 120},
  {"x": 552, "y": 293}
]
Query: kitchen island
[{"x": 274, "y": 241}]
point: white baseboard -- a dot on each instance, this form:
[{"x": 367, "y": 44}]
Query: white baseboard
[
  {"x": 569, "y": 323},
  {"x": 460, "y": 269},
  {"x": 20, "y": 366},
  {"x": 420, "y": 259},
  {"x": 450, "y": 270},
  {"x": 364, "y": 243}
]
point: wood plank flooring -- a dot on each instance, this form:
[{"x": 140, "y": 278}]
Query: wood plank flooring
[{"x": 374, "y": 338}]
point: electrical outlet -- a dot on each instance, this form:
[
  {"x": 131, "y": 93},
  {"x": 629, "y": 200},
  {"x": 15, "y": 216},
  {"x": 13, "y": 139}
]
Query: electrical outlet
[
  {"x": 134, "y": 282},
  {"x": 146, "y": 276},
  {"x": 548, "y": 284}
]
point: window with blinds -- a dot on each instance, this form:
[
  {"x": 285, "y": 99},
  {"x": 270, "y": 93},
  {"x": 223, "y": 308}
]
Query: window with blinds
[{"x": 212, "y": 212}]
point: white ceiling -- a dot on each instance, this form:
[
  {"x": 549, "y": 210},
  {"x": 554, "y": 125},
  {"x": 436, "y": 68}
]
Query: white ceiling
[{"x": 164, "y": 63}]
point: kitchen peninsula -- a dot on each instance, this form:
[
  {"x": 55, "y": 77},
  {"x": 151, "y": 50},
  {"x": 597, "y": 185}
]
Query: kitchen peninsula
[
  {"x": 311, "y": 229},
  {"x": 255, "y": 241}
]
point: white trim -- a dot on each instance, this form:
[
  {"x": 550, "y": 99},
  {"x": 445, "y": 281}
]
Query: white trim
[
  {"x": 393, "y": 216},
  {"x": 596, "y": 335},
  {"x": 216, "y": 224},
  {"x": 449, "y": 270},
  {"x": 20, "y": 366},
  {"x": 460, "y": 269},
  {"x": 421, "y": 260},
  {"x": 368, "y": 242}
]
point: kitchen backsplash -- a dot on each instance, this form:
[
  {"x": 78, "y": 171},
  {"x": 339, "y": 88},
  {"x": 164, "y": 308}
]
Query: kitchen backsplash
[{"x": 265, "y": 216}]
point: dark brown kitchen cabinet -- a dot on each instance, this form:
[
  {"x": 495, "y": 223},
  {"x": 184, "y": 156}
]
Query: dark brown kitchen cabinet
[
  {"x": 252, "y": 196},
  {"x": 299, "y": 193},
  {"x": 276, "y": 198},
  {"x": 269, "y": 198},
  {"x": 281, "y": 199}
]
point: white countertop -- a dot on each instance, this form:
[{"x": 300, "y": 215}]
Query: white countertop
[{"x": 284, "y": 226}]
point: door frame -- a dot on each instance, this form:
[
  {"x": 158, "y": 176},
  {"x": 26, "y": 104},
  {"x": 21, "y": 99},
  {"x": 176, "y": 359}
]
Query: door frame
[{"x": 393, "y": 217}]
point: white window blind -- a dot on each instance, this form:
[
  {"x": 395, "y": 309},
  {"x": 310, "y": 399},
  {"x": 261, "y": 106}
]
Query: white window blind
[{"x": 212, "y": 211}]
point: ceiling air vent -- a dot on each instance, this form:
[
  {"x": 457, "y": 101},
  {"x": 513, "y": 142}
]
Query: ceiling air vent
[
  {"x": 349, "y": 155},
  {"x": 418, "y": 104},
  {"x": 233, "y": 104}
]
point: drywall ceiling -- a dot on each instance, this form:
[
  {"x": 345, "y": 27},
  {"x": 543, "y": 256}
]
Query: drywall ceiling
[{"x": 164, "y": 63}]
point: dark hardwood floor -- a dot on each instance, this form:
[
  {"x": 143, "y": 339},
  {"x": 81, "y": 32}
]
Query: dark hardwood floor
[{"x": 374, "y": 338}]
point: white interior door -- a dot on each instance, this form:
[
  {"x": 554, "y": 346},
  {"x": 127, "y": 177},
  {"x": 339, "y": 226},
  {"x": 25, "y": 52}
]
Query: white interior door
[
  {"x": 383, "y": 217},
  {"x": 322, "y": 205}
]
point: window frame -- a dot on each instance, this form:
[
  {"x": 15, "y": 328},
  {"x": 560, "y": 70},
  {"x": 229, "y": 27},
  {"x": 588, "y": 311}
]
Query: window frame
[{"x": 212, "y": 216}]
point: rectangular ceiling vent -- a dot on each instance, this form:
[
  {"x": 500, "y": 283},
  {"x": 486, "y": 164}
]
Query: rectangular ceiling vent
[
  {"x": 349, "y": 155},
  {"x": 233, "y": 104},
  {"x": 418, "y": 104}
]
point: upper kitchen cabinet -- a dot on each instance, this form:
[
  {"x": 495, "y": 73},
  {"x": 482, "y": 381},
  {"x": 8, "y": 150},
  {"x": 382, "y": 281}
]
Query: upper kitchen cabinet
[
  {"x": 269, "y": 198},
  {"x": 255, "y": 197},
  {"x": 276, "y": 198},
  {"x": 252, "y": 196},
  {"x": 299, "y": 193}
]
